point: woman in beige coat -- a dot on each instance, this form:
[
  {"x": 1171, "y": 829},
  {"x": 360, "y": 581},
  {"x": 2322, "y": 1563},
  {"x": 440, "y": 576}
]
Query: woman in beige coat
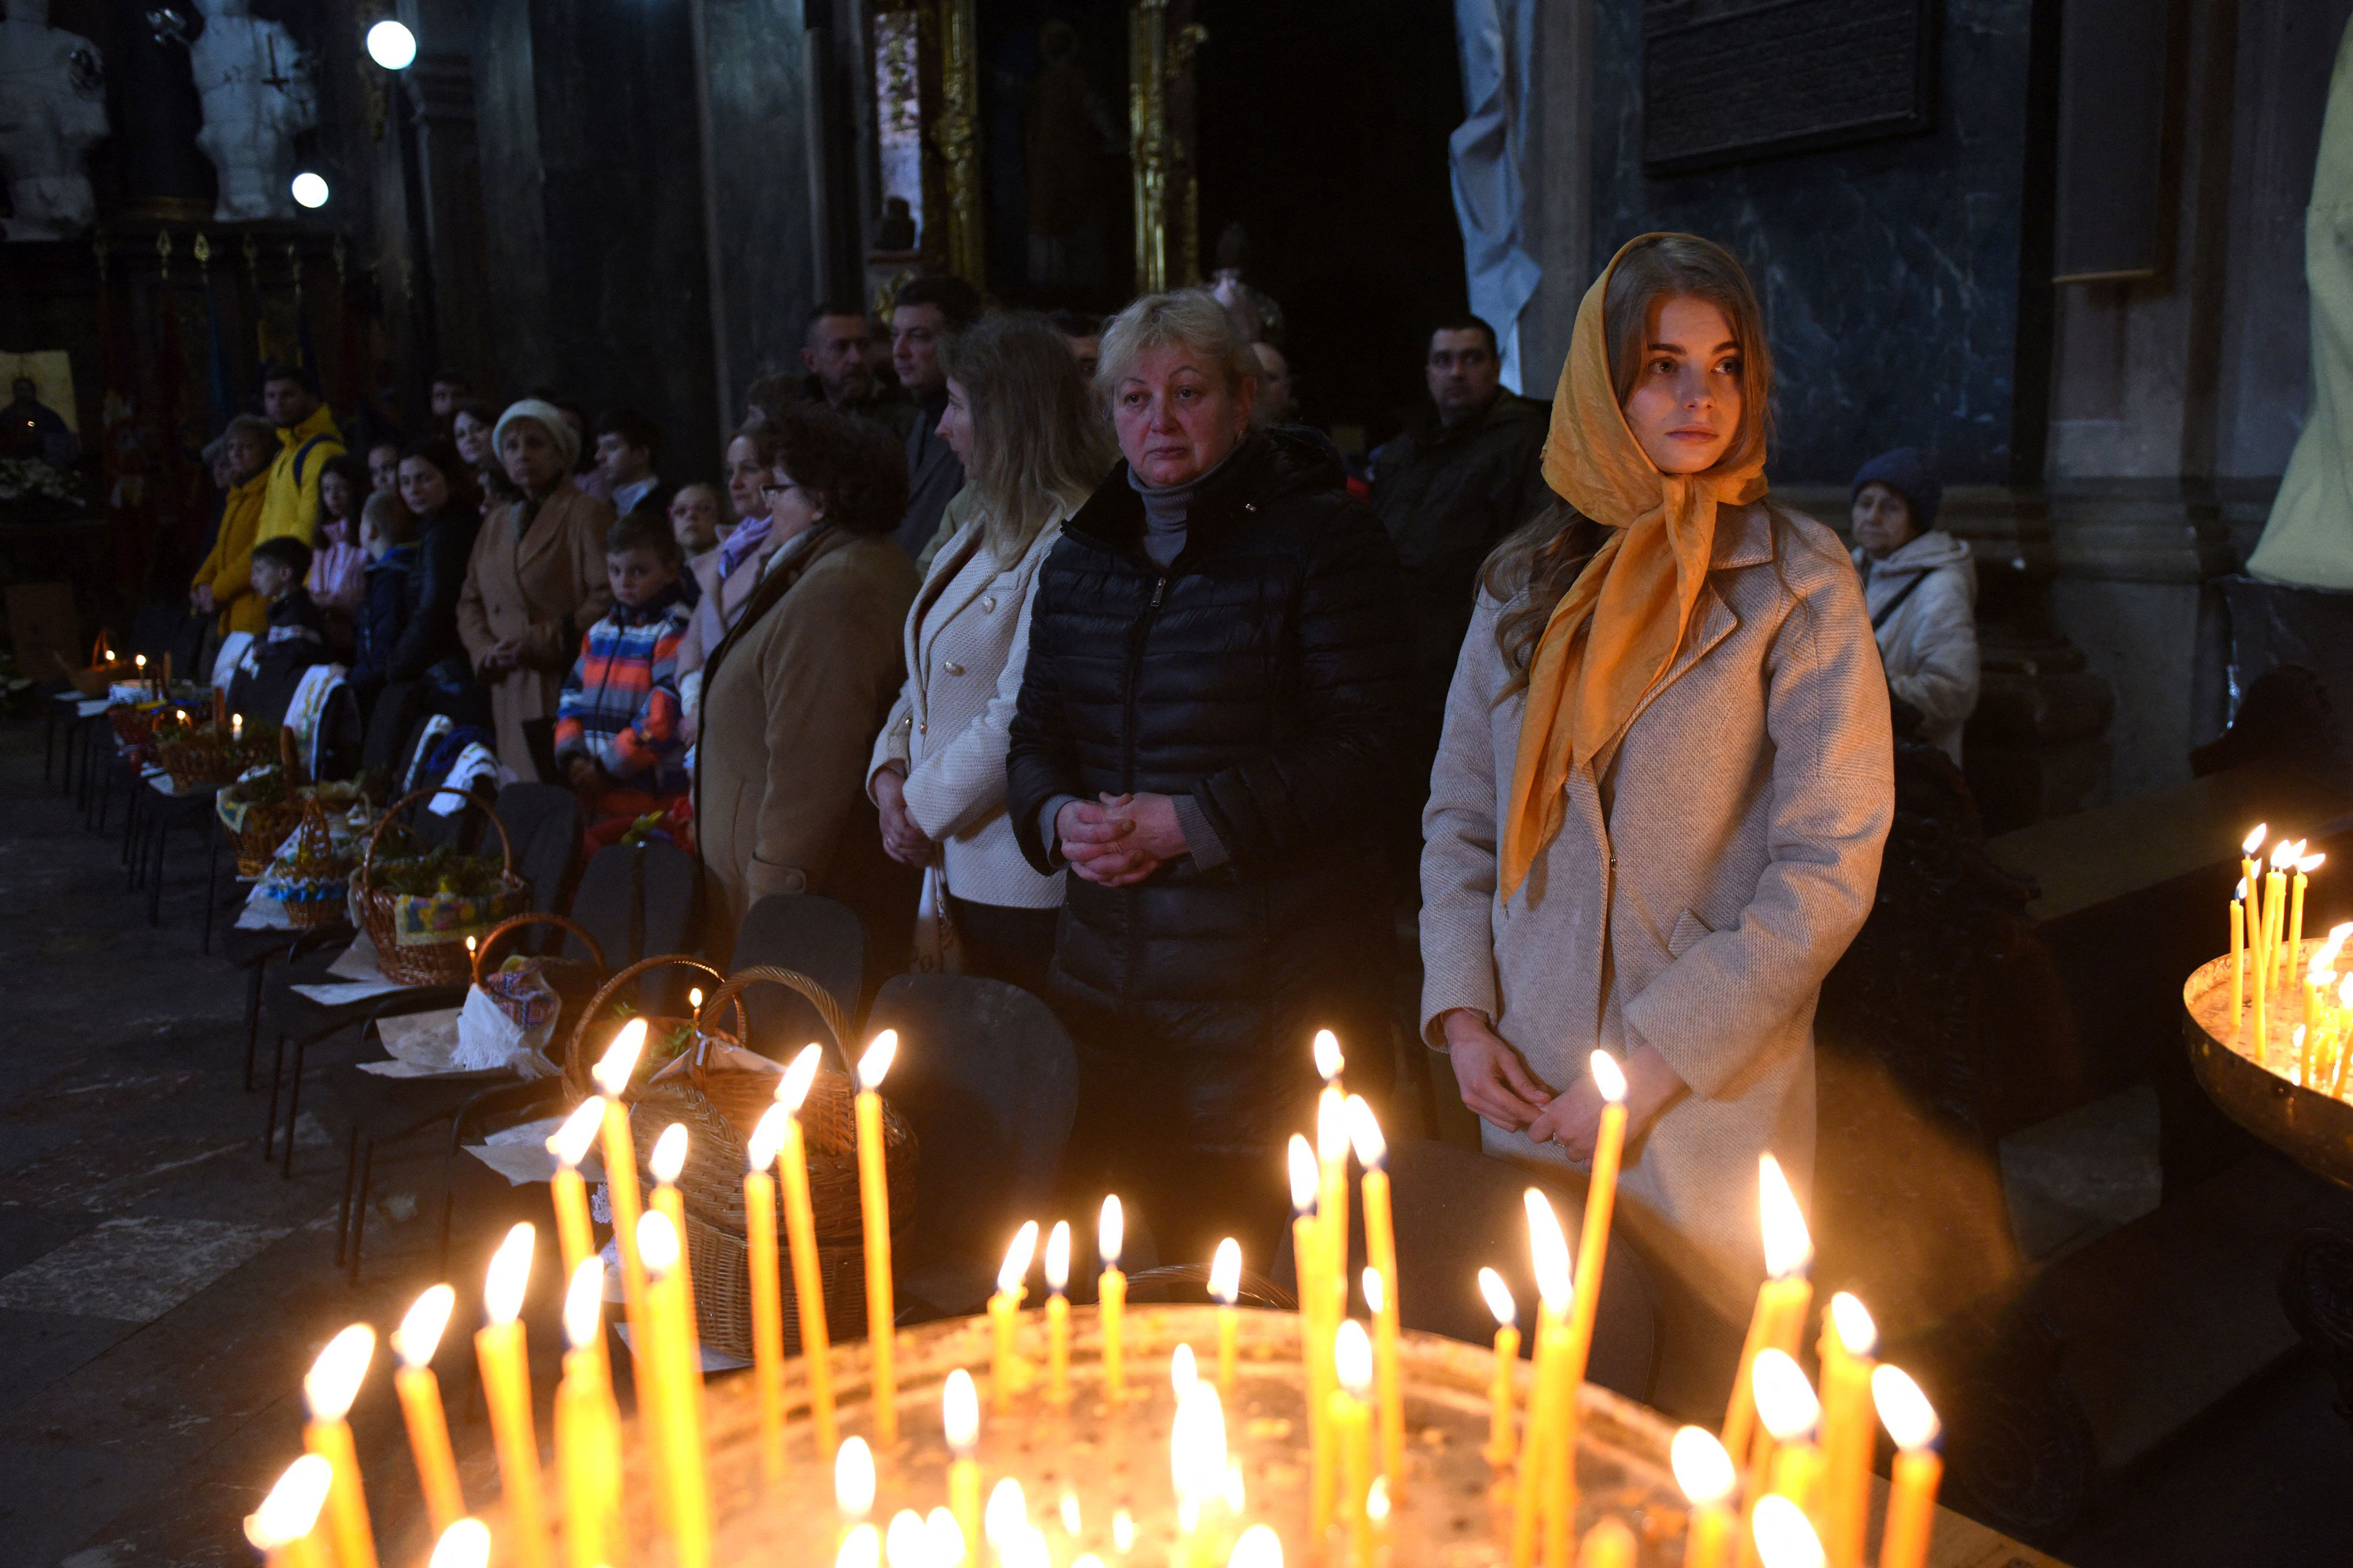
[
  {"x": 1018, "y": 418},
  {"x": 536, "y": 579},
  {"x": 793, "y": 695},
  {"x": 1656, "y": 816}
]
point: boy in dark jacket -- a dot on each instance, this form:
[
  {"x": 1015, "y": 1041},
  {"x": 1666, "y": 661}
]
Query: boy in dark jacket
[
  {"x": 297, "y": 634},
  {"x": 383, "y": 607}
]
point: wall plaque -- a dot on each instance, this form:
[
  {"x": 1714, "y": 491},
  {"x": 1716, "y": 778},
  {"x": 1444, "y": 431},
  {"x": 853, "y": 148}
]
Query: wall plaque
[{"x": 1726, "y": 81}]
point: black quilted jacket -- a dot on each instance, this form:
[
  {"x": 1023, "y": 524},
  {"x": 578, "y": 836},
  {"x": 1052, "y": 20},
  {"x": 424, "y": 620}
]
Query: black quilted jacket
[{"x": 1265, "y": 672}]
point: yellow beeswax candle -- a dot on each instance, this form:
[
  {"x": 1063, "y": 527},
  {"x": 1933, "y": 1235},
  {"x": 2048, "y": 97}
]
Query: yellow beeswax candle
[
  {"x": 2251, "y": 865},
  {"x": 1380, "y": 1254},
  {"x": 1110, "y": 1239},
  {"x": 1544, "y": 1501},
  {"x": 588, "y": 1431},
  {"x": 418, "y": 1336},
  {"x": 1912, "y": 1487},
  {"x": 1786, "y": 1413},
  {"x": 286, "y": 1525},
  {"x": 613, "y": 1074},
  {"x": 960, "y": 1421},
  {"x": 2238, "y": 959},
  {"x": 767, "y": 1287},
  {"x": 506, "y": 1389},
  {"x": 1352, "y": 1430},
  {"x": 685, "y": 1487},
  {"x": 664, "y": 1164},
  {"x": 2305, "y": 864},
  {"x": 1849, "y": 1336},
  {"x": 1308, "y": 1259},
  {"x": 1601, "y": 1203},
  {"x": 2275, "y": 912},
  {"x": 1008, "y": 1372},
  {"x": 874, "y": 1202},
  {"x": 1225, "y": 1290},
  {"x": 853, "y": 1484},
  {"x": 1704, "y": 1470},
  {"x": 576, "y": 1237},
  {"x": 1782, "y": 1302},
  {"x": 1196, "y": 1463},
  {"x": 328, "y": 1388},
  {"x": 1057, "y": 1312},
  {"x": 1332, "y": 1194},
  {"x": 1501, "y": 1437},
  {"x": 800, "y": 1232}
]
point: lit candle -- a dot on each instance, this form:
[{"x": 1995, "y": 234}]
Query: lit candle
[
  {"x": 1008, "y": 1374},
  {"x": 1328, "y": 1060},
  {"x": 1225, "y": 1290},
  {"x": 853, "y": 1483},
  {"x": 2283, "y": 855},
  {"x": 328, "y": 1388},
  {"x": 1608, "y": 1544},
  {"x": 1057, "y": 1312},
  {"x": 465, "y": 1545},
  {"x": 1183, "y": 1370},
  {"x": 1196, "y": 1463},
  {"x": 2344, "y": 1046},
  {"x": 1352, "y": 1354},
  {"x": 506, "y": 1388},
  {"x": 576, "y": 1237},
  {"x": 1704, "y": 1470},
  {"x": 587, "y": 1428},
  {"x": 2300, "y": 1055},
  {"x": 1545, "y": 1498},
  {"x": 1789, "y": 1412},
  {"x": 694, "y": 1011},
  {"x": 2238, "y": 957},
  {"x": 1007, "y": 1515},
  {"x": 1502, "y": 1439},
  {"x": 418, "y": 1336},
  {"x": 664, "y": 1164},
  {"x": 1380, "y": 1251},
  {"x": 960, "y": 1420},
  {"x": 2251, "y": 865},
  {"x": 1258, "y": 1547},
  {"x": 1849, "y": 1337},
  {"x": 2305, "y": 864},
  {"x": 874, "y": 1199},
  {"x": 1912, "y": 1487},
  {"x": 1600, "y": 1200},
  {"x": 237, "y": 728},
  {"x": 678, "y": 1435},
  {"x": 1785, "y": 1537},
  {"x": 1110, "y": 1238},
  {"x": 612, "y": 1073},
  {"x": 1782, "y": 1301},
  {"x": 1122, "y": 1531},
  {"x": 1332, "y": 1200},
  {"x": 768, "y": 1287},
  {"x": 800, "y": 1231},
  {"x": 286, "y": 1523},
  {"x": 1306, "y": 1258},
  {"x": 2320, "y": 975}
]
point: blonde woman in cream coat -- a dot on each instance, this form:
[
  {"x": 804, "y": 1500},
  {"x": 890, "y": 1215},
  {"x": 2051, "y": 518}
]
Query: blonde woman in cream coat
[{"x": 1019, "y": 420}]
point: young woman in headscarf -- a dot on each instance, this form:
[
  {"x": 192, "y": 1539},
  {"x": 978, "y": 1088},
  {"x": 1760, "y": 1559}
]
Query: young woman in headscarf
[
  {"x": 536, "y": 579},
  {"x": 1666, "y": 774}
]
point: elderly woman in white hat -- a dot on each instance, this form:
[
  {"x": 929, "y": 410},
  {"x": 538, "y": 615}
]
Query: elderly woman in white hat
[{"x": 537, "y": 576}]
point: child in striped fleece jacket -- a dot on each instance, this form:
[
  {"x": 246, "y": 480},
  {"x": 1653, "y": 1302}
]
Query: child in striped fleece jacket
[{"x": 617, "y": 735}]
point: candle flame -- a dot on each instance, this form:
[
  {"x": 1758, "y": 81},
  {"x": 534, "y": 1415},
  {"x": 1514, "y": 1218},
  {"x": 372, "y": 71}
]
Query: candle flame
[
  {"x": 694, "y": 997},
  {"x": 2239, "y": 894},
  {"x": 960, "y": 1411},
  {"x": 668, "y": 1157},
  {"x": 1376, "y": 1501},
  {"x": 947, "y": 1537},
  {"x": 861, "y": 1547},
  {"x": 1017, "y": 1259},
  {"x": 584, "y": 1304},
  {"x": 1328, "y": 1060},
  {"x": 1057, "y": 1256},
  {"x": 1069, "y": 1511},
  {"x": 1331, "y": 1125},
  {"x": 1123, "y": 1530},
  {"x": 1365, "y": 1135},
  {"x": 1110, "y": 1232},
  {"x": 794, "y": 1087},
  {"x": 2285, "y": 852},
  {"x": 1196, "y": 1445},
  {"x": 569, "y": 1143},
  {"x": 2306, "y": 865},
  {"x": 1499, "y": 1298},
  {"x": 1904, "y": 1410},
  {"x": 419, "y": 1334},
  {"x": 1609, "y": 1076},
  {"x": 767, "y": 1136},
  {"x": 1548, "y": 1248},
  {"x": 1007, "y": 1514},
  {"x": 1184, "y": 1369},
  {"x": 620, "y": 1058},
  {"x": 1785, "y": 1536},
  {"x": 657, "y": 1242},
  {"x": 907, "y": 1544},
  {"x": 1025, "y": 1548},
  {"x": 876, "y": 1062},
  {"x": 1226, "y": 1273},
  {"x": 1352, "y": 1357},
  {"x": 1237, "y": 1496},
  {"x": 510, "y": 1273},
  {"x": 853, "y": 1479},
  {"x": 1851, "y": 1320},
  {"x": 138, "y": 661},
  {"x": 1785, "y": 1400},
  {"x": 1373, "y": 1294},
  {"x": 333, "y": 1380},
  {"x": 470, "y": 947},
  {"x": 2326, "y": 957},
  {"x": 292, "y": 1509},
  {"x": 1788, "y": 1248},
  {"x": 1702, "y": 1468},
  {"x": 1303, "y": 1176},
  {"x": 2254, "y": 842},
  {"x": 1259, "y": 1547}
]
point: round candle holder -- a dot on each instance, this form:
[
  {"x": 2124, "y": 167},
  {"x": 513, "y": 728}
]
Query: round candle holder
[{"x": 2309, "y": 1126}]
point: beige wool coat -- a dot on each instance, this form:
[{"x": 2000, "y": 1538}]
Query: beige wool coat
[
  {"x": 1697, "y": 893},
  {"x": 547, "y": 587},
  {"x": 791, "y": 701},
  {"x": 965, "y": 646}
]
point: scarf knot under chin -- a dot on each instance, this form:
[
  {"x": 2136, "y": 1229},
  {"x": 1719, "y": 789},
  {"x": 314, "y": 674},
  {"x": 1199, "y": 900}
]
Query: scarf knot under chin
[{"x": 1615, "y": 633}]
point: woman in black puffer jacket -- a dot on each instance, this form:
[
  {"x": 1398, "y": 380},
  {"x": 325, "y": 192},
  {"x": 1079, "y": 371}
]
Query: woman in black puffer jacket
[{"x": 1211, "y": 726}]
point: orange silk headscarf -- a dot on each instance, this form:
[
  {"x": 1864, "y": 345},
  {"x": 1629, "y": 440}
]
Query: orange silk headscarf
[{"x": 1618, "y": 629}]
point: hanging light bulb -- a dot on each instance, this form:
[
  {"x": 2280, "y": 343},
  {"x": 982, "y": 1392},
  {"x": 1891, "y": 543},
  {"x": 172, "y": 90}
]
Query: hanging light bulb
[
  {"x": 310, "y": 189},
  {"x": 392, "y": 45}
]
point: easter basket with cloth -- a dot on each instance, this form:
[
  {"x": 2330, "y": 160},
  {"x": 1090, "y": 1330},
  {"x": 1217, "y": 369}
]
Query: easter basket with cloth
[
  {"x": 419, "y": 911},
  {"x": 514, "y": 1008}
]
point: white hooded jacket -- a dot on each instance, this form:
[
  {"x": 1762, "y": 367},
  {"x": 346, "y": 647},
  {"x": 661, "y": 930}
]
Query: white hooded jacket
[{"x": 1923, "y": 603}]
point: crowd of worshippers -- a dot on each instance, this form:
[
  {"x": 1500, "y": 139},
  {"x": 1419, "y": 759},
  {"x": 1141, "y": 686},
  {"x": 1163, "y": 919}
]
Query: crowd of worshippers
[{"x": 1065, "y": 654}]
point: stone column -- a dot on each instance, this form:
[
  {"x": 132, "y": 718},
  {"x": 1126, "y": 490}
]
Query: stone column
[{"x": 449, "y": 223}]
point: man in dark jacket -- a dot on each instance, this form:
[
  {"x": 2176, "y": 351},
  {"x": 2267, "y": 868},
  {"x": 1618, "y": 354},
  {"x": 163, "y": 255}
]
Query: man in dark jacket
[
  {"x": 1466, "y": 471},
  {"x": 926, "y": 310}
]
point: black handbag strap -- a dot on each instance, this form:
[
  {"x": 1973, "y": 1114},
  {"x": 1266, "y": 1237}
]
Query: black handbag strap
[{"x": 1896, "y": 603}]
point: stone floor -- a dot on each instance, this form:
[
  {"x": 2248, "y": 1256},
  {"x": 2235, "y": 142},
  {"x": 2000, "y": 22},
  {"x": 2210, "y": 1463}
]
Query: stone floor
[{"x": 161, "y": 1288}]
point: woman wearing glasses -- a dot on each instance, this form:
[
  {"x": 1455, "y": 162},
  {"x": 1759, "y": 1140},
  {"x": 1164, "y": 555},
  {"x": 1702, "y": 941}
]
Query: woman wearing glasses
[{"x": 793, "y": 694}]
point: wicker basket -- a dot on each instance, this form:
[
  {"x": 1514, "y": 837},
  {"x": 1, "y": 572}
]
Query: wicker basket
[
  {"x": 443, "y": 961},
  {"x": 203, "y": 757},
  {"x": 574, "y": 983},
  {"x": 318, "y": 898}
]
